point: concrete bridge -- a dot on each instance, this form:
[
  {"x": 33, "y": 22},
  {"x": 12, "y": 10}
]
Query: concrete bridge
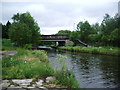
[{"x": 61, "y": 40}]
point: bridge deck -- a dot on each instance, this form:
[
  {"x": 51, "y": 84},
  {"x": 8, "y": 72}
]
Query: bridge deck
[
  {"x": 53, "y": 40},
  {"x": 54, "y": 37}
]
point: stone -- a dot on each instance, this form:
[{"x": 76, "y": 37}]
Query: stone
[
  {"x": 48, "y": 79},
  {"x": 43, "y": 88},
  {"x": 30, "y": 87},
  {"x": 5, "y": 83},
  {"x": 23, "y": 82},
  {"x": 18, "y": 88},
  {"x": 12, "y": 86},
  {"x": 33, "y": 85},
  {"x": 69, "y": 43},
  {"x": 39, "y": 83}
]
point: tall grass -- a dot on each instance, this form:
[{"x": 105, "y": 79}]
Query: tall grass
[
  {"x": 34, "y": 64},
  {"x": 7, "y": 45},
  {"x": 63, "y": 75},
  {"x": 26, "y": 64}
]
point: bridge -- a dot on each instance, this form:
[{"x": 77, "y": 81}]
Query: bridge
[{"x": 59, "y": 39}]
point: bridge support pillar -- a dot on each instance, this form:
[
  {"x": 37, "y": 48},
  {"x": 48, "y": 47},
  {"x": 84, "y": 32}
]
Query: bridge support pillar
[{"x": 61, "y": 43}]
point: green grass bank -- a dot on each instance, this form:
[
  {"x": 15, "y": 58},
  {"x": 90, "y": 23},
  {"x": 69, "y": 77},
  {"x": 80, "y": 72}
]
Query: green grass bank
[
  {"x": 94, "y": 50},
  {"x": 33, "y": 64}
]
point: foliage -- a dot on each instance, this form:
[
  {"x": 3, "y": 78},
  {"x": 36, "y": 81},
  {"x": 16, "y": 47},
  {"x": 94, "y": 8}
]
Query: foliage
[
  {"x": 62, "y": 74},
  {"x": 28, "y": 46},
  {"x": 24, "y": 30},
  {"x": 74, "y": 36},
  {"x": 7, "y": 45},
  {"x": 20, "y": 34},
  {"x": 26, "y": 64},
  {"x": 5, "y": 30},
  {"x": 85, "y": 30},
  {"x": 64, "y": 32}
]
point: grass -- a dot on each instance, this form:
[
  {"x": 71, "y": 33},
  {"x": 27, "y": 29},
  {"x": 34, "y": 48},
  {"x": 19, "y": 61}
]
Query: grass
[
  {"x": 26, "y": 64},
  {"x": 96, "y": 50},
  {"x": 34, "y": 64},
  {"x": 7, "y": 45},
  {"x": 67, "y": 78},
  {"x": 63, "y": 75}
]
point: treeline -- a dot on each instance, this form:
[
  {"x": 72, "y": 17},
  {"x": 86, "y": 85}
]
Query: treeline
[
  {"x": 104, "y": 34},
  {"x": 25, "y": 30}
]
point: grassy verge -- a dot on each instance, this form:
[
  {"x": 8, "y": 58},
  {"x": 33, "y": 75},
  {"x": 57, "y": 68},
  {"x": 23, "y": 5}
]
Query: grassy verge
[
  {"x": 26, "y": 64},
  {"x": 33, "y": 64},
  {"x": 7, "y": 45},
  {"x": 94, "y": 50}
]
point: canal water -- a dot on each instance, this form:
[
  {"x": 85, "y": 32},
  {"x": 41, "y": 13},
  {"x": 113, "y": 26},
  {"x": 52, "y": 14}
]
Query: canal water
[{"x": 91, "y": 70}]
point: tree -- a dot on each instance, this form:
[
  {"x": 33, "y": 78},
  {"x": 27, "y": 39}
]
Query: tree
[
  {"x": 20, "y": 33},
  {"x": 85, "y": 30},
  {"x": 0, "y": 30},
  {"x": 115, "y": 37},
  {"x": 5, "y": 29},
  {"x": 64, "y": 32},
  {"x": 108, "y": 24},
  {"x": 75, "y": 36},
  {"x": 28, "y": 32}
]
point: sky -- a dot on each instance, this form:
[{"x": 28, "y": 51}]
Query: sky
[{"x": 55, "y": 15}]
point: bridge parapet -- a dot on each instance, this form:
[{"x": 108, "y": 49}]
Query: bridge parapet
[{"x": 55, "y": 37}]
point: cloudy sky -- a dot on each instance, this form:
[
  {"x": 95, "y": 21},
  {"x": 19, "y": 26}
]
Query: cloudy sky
[{"x": 55, "y": 15}]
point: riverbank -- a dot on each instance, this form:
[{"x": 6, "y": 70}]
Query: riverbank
[
  {"x": 34, "y": 64},
  {"x": 93, "y": 50}
]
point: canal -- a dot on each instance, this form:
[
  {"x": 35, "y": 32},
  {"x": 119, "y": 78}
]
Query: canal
[{"x": 91, "y": 70}]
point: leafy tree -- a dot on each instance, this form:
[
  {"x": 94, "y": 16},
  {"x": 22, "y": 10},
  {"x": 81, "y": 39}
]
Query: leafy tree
[
  {"x": 96, "y": 28},
  {"x": 28, "y": 23},
  {"x": 85, "y": 30},
  {"x": 115, "y": 37},
  {"x": 20, "y": 33},
  {"x": 108, "y": 24},
  {"x": 64, "y": 32},
  {"x": 75, "y": 36}
]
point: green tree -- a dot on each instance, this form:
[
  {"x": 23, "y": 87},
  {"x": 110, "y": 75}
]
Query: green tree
[
  {"x": 31, "y": 26},
  {"x": 20, "y": 33},
  {"x": 64, "y": 32},
  {"x": 108, "y": 24},
  {"x": 115, "y": 37},
  {"x": 74, "y": 36},
  {"x": 5, "y": 30},
  {"x": 85, "y": 30}
]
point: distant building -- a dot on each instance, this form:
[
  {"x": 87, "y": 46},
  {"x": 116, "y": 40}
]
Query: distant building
[{"x": 119, "y": 8}]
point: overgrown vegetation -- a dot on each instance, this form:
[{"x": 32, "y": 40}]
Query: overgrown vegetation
[
  {"x": 35, "y": 64},
  {"x": 7, "y": 45},
  {"x": 63, "y": 75},
  {"x": 26, "y": 64},
  {"x": 96, "y": 50}
]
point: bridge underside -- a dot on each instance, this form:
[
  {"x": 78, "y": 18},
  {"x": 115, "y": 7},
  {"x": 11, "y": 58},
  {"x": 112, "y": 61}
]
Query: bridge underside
[{"x": 57, "y": 42}]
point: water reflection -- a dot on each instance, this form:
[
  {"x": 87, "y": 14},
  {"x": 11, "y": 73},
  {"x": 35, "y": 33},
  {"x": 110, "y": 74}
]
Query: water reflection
[{"x": 92, "y": 71}]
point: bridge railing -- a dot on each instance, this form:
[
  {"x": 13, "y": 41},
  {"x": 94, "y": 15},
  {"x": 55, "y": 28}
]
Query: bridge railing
[{"x": 55, "y": 37}]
